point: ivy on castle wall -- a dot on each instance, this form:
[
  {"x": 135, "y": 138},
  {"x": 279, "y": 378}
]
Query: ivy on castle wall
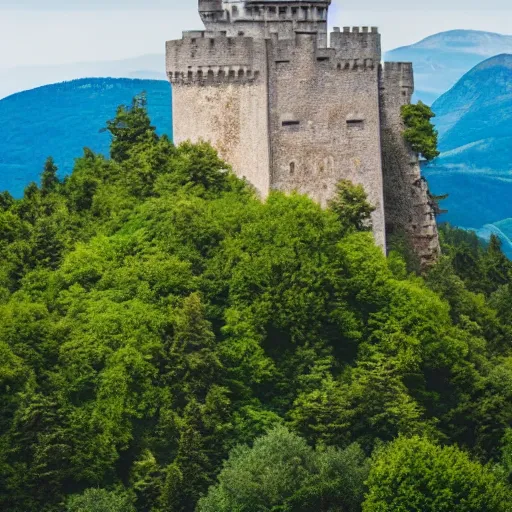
[{"x": 419, "y": 131}]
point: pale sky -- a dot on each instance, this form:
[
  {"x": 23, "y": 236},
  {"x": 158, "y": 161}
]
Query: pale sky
[{"x": 47, "y": 32}]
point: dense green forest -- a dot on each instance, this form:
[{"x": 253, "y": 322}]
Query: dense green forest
[{"x": 171, "y": 343}]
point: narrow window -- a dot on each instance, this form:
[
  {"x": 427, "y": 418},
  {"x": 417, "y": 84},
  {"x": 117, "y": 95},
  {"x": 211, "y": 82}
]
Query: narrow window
[
  {"x": 291, "y": 123},
  {"x": 355, "y": 124},
  {"x": 292, "y": 168}
]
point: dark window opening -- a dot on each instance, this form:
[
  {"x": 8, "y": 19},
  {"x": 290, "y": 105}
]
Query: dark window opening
[
  {"x": 291, "y": 123},
  {"x": 322, "y": 59},
  {"x": 355, "y": 124},
  {"x": 292, "y": 167},
  {"x": 240, "y": 33}
]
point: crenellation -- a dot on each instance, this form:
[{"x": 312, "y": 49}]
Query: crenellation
[
  {"x": 290, "y": 112},
  {"x": 358, "y": 42}
]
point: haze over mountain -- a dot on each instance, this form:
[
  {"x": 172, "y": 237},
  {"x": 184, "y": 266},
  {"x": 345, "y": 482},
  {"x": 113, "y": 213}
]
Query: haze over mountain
[
  {"x": 58, "y": 120},
  {"x": 19, "y": 79},
  {"x": 474, "y": 120},
  {"x": 442, "y": 59}
]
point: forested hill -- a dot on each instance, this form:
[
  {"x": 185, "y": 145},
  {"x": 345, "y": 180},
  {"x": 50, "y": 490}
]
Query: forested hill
[
  {"x": 171, "y": 343},
  {"x": 61, "y": 119}
]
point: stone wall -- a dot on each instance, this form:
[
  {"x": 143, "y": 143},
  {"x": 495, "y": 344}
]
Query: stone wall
[
  {"x": 261, "y": 19},
  {"x": 325, "y": 123},
  {"x": 220, "y": 96},
  {"x": 357, "y": 42},
  {"x": 289, "y": 113},
  {"x": 407, "y": 204}
]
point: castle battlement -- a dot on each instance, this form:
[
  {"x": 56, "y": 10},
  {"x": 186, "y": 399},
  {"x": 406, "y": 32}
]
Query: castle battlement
[
  {"x": 290, "y": 112},
  {"x": 213, "y": 75}
]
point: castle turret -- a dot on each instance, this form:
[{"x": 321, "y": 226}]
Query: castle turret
[
  {"x": 261, "y": 18},
  {"x": 211, "y": 11}
]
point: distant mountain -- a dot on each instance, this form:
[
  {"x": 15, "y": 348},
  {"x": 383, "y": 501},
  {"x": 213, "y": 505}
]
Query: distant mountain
[
  {"x": 474, "y": 120},
  {"x": 23, "y": 78},
  {"x": 58, "y": 120},
  {"x": 442, "y": 59}
]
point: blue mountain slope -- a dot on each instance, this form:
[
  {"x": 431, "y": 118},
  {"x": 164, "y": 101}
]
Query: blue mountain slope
[
  {"x": 474, "y": 120},
  {"x": 442, "y": 59},
  {"x": 59, "y": 120},
  {"x": 19, "y": 79}
]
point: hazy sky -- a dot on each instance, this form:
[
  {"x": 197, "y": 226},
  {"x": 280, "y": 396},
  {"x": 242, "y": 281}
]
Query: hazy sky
[{"x": 63, "y": 31}]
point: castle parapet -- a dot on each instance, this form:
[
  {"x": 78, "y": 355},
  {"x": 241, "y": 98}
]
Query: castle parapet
[
  {"x": 357, "y": 42},
  {"x": 399, "y": 76},
  {"x": 212, "y": 57},
  {"x": 210, "y": 75}
]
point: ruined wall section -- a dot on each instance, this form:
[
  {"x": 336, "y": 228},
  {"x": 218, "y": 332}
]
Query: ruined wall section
[
  {"x": 408, "y": 207},
  {"x": 220, "y": 96},
  {"x": 324, "y": 122}
]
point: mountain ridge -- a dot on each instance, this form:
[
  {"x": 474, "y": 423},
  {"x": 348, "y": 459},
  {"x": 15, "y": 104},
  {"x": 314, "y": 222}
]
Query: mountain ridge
[
  {"x": 474, "y": 119},
  {"x": 440, "y": 60},
  {"x": 57, "y": 119}
]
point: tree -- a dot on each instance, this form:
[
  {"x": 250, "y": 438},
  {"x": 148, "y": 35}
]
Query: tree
[
  {"x": 281, "y": 472},
  {"x": 100, "y": 500},
  {"x": 419, "y": 130},
  {"x": 417, "y": 475},
  {"x": 351, "y": 206},
  {"x": 49, "y": 178},
  {"x": 131, "y": 127}
]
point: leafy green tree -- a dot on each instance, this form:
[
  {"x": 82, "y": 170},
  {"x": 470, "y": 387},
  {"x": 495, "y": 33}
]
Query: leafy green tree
[
  {"x": 281, "y": 472},
  {"x": 415, "y": 474},
  {"x": 131, "y": 127},
  {"x": 100, "y": 500},
  {"x": 419, "y": 130},
  {"x": 351, "y": 206}
]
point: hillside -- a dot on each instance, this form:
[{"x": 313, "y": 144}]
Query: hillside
[
  {"x": 19, "y": 79},
  {"x": 474, "y": 120},
  {"x": 442, "y": 59},
  {"x": 59, "y": 120},
  {"x": 170, "y": 342}
]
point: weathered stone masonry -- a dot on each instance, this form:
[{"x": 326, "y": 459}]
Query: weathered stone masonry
[{"x": 289, "y": 112}]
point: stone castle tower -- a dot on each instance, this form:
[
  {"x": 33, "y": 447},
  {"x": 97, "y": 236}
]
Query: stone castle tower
[{"x": 290, "y": 112}]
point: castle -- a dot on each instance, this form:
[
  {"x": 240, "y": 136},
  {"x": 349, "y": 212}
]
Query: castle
[{"x": 289, "y": 111}]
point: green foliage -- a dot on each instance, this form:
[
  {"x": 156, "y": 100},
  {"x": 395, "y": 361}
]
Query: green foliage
[
  {"x": 99, "y": 500},
  {"x": 281, "y": 472},
  {"x": 417, "y": 475},
  {"x": 155, "y": 316},
  {"x": 49, "y": 179},
  {"x": 351, "y": 206},
  {"x": 419, "y": 130},
  {"x": 129, "y": 128}
]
